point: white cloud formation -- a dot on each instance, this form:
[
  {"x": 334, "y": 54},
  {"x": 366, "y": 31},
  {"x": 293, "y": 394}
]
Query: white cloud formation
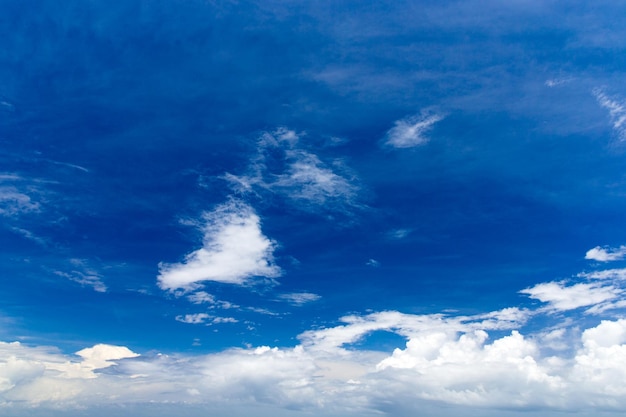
[
  {"x": 617, "y": 111},
  {"x": 234, "y": 250},
  {"x": 448, "y": 363},
  {"x": 410, "y": 131},
  {"x": 606, "y": 254},
  {"x": 299, "y": 298},
  {"x": 562, "y": 297}
]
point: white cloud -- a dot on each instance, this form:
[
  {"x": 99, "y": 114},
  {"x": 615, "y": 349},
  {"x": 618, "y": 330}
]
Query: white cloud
[
  {"x": 201, "y": 297},
  {"x": 617, "y": 111},
  {"x": 198, "y": 318},
  {"x": 555, "y": 82},
  {"x": 445, "y": 363},
  {"x": 202, "y": 318},
  {"x": 606, "y": 254},
  {"x": 410, "y": 131},
  {"x": 308, "y": 179},
  {"x": 14, "y": 202},
  {"x": 234, "y": 250},
  {"x": 616, "y": 274},
  {"x": 562, "y": 297},
  {"x": 83, "y": 274},
  {"x": 372, "y": 262},
  {"x": 299, "y": 298},
  {"x": 281, "y": 166}
]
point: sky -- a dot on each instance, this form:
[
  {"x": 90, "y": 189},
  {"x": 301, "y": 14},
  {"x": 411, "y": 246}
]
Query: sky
[{"x": 298, "y": 208}]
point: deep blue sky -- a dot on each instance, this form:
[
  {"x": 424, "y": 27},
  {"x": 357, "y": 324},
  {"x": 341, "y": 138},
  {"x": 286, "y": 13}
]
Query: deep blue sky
[{"x": 186, "y": 177}]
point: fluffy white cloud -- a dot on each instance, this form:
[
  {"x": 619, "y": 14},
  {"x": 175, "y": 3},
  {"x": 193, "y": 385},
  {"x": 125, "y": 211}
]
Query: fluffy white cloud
[
  {"x": 409, "y": 132},
  {"x": 606, "y": 254},
  {"x": 234, "y": 250},
  {"x": 299, "y": 298},
  {"x": 617, "y": 112},
  {"x": 563, "y": 297}
]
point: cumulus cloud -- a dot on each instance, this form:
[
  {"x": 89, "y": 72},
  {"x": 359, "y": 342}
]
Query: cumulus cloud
[
  {"x": 234, "y": 250},
  {"x": 410, "y": 131},
  {"x": 299, "y": 298},
  {"x": 606, "y": 254},
  {"x": 617, "y": 111}
]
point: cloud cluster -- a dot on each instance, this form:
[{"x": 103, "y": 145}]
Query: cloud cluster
[
  {"x": 454, "y": 361},
  {"x": 234, "y": 250},
  {"x": 410, "y": 131}
]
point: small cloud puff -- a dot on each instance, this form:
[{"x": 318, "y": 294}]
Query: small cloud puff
[
  {"x": 409, "y": 132},
  {"x": 234, "y": 250},
  {"x": 606, "y": 254}
]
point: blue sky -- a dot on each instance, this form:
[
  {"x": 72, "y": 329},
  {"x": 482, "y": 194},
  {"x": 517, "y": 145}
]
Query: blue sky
[{"x": 312, "y": 208}]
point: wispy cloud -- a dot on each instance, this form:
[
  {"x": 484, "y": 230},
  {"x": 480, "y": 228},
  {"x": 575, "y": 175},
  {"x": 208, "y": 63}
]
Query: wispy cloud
[
  {"x": 282, "y": 167},
  {"x": 204, "y": 318},
  {"x": 410, "y": 131},
  {"x": 14, "y": 202},
  {"x": 234, "y": 250},
  {"x": 202, "y": 297},
  {"x": 617, "y": 111},
  {"x": 555, "y": 82},
  {"x": 81, "y": 273},
  {"x": 299, "y": 298},
  {"x": 606, "y": 254}
]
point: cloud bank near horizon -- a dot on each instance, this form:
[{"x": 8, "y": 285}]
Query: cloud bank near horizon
[{"x": 555, "y": 364}]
